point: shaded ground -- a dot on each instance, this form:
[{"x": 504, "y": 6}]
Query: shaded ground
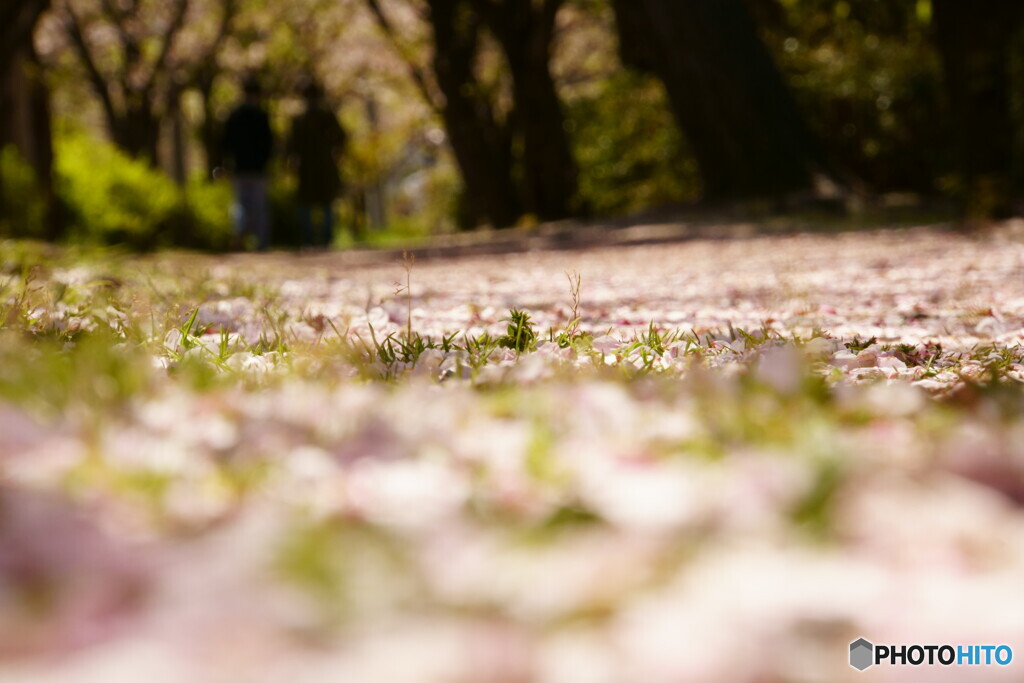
[{"x": 655, "y": 227}]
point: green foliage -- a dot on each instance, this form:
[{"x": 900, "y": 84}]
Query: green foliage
[
  {"x": 112, "y": 198},
  {"x": 858, "y": 344},
  {"x": 869, "y": 83},
  {"x": 50, "y": 373},
  {"x": 520, "y": 335},
  {"x": 22, "y": 209},
  {"x": 571, "y": 334},
  {"x": 814, "y": 511},
  {"x": 630, "y": 152},
  {"x": 284, "y": 209},
  {"x": 208, "y": 212}
]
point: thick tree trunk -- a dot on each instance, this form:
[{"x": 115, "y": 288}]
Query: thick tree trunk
[
  {"x": 726, "y": 92},
  {"x": 482, "y": 147},
  {"x": 25, "y": 123},
  {"x": 525, "y": 30},
  {"x": 550, "y": 175},
  {"x": 974, "y": 44},
  {"x": 18, "y": 20}
]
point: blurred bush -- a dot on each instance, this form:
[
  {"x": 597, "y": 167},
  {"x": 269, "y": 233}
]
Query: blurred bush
[
  {"x": 207, "y": 214},
  {"x": 869, "y": 82},
  {"x": 110, "y": 198},
  {"x": 631, "y": 154},
  {"x": 284, "y": 209}
]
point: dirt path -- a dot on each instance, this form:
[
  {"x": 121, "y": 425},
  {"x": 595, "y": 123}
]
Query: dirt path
[{"x": 908, "y": 284}]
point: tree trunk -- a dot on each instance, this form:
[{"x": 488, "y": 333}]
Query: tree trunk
[
  {"x": 209, "y": 130},
  {"x": 525, "y": 30},
  {"x": 25, "y": 123},
  {"x": 18, "y": 20},
  {"x": 482, "y": 147},
  {"x": 178, "y": 143},
  {"x": 726, "y": 93},
  {"x": 974, "y": 45},
  {"x": 374, "y": 194}
]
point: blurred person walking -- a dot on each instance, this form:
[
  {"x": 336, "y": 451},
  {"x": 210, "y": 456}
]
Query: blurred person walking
[
  {"x": 248, "y": 144},
  {"x": 315, "y": 147}
]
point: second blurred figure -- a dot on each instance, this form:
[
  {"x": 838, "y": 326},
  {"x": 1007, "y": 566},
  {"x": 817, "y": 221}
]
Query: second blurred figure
[{"x": 314, "y": 148}]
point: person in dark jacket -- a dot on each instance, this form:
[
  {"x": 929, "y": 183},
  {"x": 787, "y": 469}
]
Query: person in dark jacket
[
  {"x": 315, "y": 147},
  {"x": 248, "y": 144}
]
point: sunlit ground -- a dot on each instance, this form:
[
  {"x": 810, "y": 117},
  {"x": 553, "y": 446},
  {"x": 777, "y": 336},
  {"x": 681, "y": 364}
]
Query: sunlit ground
[{"x": 704, "y": 461}]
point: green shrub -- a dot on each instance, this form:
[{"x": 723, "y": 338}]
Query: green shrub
[
  {"x": 112, "y": 198},
  {"x": 208, "y": 213},
  {"x": 22, "y": 208},
  {"x": 283, "y": 206},
  {"x": 630, "y": 152},
  {"x": 869, "y": 82}
]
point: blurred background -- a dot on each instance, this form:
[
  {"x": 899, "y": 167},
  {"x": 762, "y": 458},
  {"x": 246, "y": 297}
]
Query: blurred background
[{"x": 471, "y": 113}]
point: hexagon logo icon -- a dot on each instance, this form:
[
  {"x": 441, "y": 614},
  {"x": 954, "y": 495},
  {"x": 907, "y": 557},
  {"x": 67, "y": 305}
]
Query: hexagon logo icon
[{"x": 862, "y": 654}]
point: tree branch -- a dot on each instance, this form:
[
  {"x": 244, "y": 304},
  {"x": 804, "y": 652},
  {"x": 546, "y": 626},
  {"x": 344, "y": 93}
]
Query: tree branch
[
  {"x": 177, "y": 22},
  {"x": 204, "y": 70},
  {"x": 230, "y": 10},
  {"x": 418, "y": 75},
  {"x": 113, "y": 12},
  {"x": 509, "y": 19},
  {"x": 129, "y": 44},
  {"x": 99, "y": 82}
]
